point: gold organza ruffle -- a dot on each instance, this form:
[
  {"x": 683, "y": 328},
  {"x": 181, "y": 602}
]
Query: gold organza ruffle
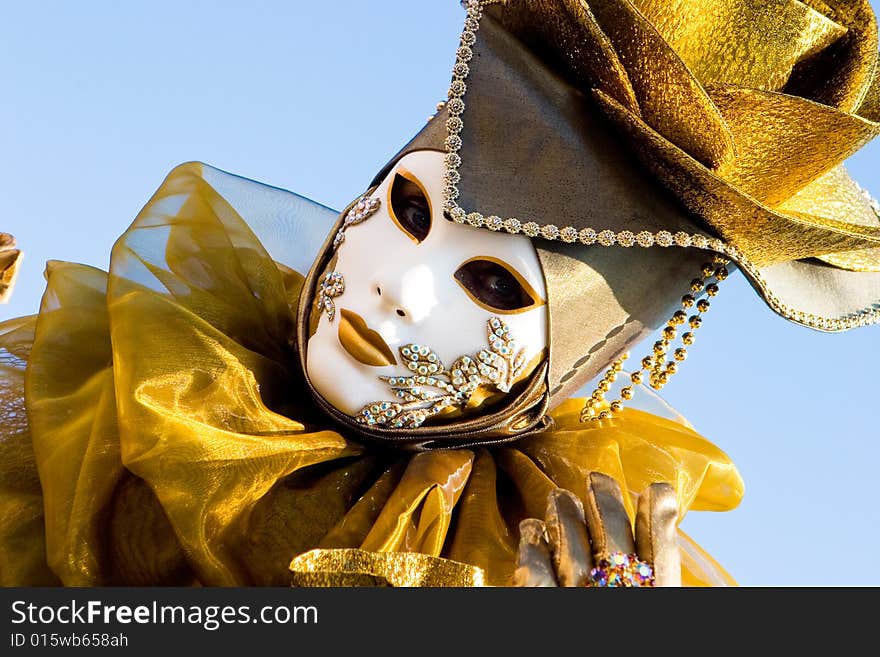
[{"x": 172, "y": 440}]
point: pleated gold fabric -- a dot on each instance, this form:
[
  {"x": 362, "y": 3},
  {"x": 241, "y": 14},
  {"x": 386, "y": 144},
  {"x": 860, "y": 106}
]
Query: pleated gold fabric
[{"x": 171, "y": 440}]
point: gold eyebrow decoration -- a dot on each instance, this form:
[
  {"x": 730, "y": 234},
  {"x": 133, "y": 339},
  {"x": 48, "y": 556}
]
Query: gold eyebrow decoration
[
  {"x": 529, "y": 290},
  {"x": 404, "y": 173}
]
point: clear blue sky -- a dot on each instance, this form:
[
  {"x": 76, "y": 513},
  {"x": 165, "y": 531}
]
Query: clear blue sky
[{"x": 102, "y": 98}]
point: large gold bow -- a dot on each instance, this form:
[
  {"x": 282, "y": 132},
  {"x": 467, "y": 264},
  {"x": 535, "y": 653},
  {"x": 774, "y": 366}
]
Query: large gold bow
[{"x": 746, "y": 109}]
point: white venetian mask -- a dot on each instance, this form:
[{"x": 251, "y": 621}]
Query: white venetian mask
[{"x": 420, "y": 316}]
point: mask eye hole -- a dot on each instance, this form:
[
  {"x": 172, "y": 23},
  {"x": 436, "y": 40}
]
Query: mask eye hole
[
  {"x": 409, "y": 207},
  {"x": 496, "y": 286}
]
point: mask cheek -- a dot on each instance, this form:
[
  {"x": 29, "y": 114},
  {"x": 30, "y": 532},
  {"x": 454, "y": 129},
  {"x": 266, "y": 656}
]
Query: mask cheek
[
  {"x": 464, "y": 329},
  {"x": 529, "y": 330},
  {"x": 459, "y": 326}
]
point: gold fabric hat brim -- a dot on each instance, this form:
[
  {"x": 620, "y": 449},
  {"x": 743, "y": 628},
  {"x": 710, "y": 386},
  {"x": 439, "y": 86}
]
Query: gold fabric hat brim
[
  {"x": 713, "y": 120},
  {"x": 761, "y": 182}
]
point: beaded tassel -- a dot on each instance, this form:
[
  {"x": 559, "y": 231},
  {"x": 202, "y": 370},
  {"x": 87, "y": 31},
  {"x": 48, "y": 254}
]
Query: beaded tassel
[{"x": 655, "y": 368}]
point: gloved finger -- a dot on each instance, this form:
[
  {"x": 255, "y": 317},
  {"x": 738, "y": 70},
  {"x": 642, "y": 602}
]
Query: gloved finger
[
  {"x": 656, "y": 539},
  {"x": 533, "y": 562},
  {"x": 567, "y": 534},
  {"x": 607, "y": 523}
]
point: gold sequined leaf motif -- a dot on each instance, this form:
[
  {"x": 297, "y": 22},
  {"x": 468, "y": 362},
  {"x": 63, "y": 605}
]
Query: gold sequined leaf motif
[{"x": 431, "y": 388}]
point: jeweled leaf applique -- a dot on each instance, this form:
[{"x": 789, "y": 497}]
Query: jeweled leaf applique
[
  {"x": 360, "y": 211},
  {"x": 332, "y": 285},
  {"x": 430, "y": 387}
]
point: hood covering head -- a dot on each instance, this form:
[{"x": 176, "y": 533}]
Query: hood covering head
[{"x": 633, "y": 140}]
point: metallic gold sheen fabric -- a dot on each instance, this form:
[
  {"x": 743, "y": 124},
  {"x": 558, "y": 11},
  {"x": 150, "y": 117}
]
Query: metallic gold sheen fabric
[
  {"x": 671, "y": 99},
  {"x": 10, "y": 259},
  {"x": 765, "y": 235},
  {"x": 348, "y": 567},
  {"x": 836, "y": 193},
  {"x": 870, "y": 107},
  {"x": 72, "y": 412},
  {"x": 784, "y": 142},
  {"x": 737, "y": 107},
  {"x": 509, "y": 484},
  {"x": 173, "y": 439},
  {"x": 763, "y": 147},
  {"x": 22, "y": 532},
  {"x": 746, "y": 43},
  {"x": 840, "y": 76}
]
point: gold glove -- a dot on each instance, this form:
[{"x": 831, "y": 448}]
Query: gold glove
[
  {"x": 595, "y": 546},
  {"x": 10, "y": 257}
]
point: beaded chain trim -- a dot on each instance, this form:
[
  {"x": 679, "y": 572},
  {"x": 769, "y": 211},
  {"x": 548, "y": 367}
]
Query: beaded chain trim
[
  {"x": 653, "y": 366},
  {"x": 454, "y": 124}
]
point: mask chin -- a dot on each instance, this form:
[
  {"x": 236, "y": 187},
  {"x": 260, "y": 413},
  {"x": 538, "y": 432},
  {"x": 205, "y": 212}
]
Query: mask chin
[{"x": 396, "y": 347}]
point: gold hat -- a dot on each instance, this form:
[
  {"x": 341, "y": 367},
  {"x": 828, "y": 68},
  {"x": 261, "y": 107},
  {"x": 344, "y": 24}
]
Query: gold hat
[
  {"x": 742, "y": 110},
  {"x": 672, "y": 132}
]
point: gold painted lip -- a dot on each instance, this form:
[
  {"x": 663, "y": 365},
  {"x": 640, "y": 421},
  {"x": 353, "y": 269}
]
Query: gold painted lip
[{"x": 361, "y": 342}]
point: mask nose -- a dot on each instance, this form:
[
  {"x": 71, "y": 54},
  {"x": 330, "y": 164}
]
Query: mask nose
[
  {"x": 400, "y": 312},
  {"x": 408, "y": 294}
]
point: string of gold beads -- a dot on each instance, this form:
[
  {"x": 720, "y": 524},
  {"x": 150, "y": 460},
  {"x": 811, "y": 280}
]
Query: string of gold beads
[
  {"x": 657, "y": 368},
  {"x": 593, "y": 410}
]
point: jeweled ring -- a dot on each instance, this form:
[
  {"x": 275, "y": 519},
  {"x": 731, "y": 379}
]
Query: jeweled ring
[{"x": 621, "y": 569}]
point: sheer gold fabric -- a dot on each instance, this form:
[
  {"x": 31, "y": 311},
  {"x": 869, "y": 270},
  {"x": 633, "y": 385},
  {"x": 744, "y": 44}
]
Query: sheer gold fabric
[
  {"x": 23, "y": 553},
  {"x": 171, "y": 440}
]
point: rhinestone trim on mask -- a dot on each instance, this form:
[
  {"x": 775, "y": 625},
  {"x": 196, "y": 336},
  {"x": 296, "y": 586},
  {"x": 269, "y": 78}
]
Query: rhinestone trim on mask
[
  {"x": 332, "y": 285},
  {"x": 360, "y": 211},
  {"x": 498, "y": 367}
]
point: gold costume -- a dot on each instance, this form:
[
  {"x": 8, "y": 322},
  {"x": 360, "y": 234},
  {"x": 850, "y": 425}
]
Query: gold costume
[
  {"x": 10, "y": 259},
  {"x": 175, "y": 445},
  {"x": 157, "y": 426}
]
